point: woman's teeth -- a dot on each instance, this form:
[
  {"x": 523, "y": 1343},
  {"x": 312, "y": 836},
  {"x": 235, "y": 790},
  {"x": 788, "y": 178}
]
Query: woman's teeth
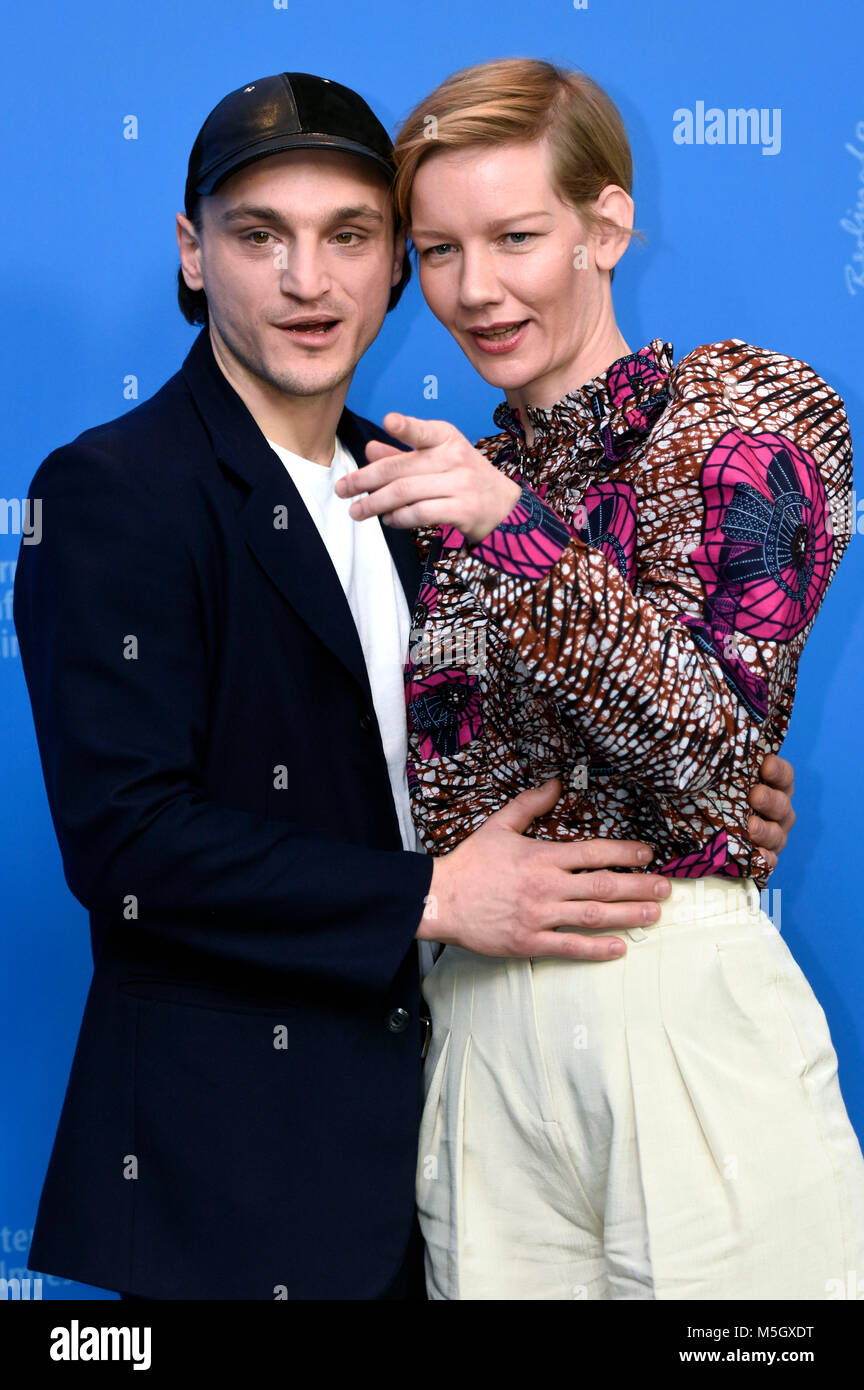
[{"x": 498, "y": 334}]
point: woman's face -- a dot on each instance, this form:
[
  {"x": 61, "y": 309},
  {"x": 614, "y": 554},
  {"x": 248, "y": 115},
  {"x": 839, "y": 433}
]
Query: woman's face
[{"x": 508, "y": 268}]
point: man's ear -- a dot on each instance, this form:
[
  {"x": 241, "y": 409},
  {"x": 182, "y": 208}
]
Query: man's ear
[
  {"x": 400, "y": 251},
  {"x": 189, "y": 246}
]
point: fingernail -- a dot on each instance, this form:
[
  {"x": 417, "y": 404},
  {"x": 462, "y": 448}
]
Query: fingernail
[
  {"x": 650, "y": 913},
  {"x": 662, "y": 888},
  {"x": 617, "y": 948},
  {"x": 643, "y": 855},
  {"x": 758, "y": 825}
]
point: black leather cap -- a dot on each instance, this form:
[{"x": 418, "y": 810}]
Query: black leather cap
[{"x": 288, "y": 111}]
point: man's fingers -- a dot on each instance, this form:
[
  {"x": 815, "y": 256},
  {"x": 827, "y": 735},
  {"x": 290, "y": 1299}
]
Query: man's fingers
[
  {"x": 600, "y": 916},
  {"x": 420, "y": 434},
  {"x": 778, "y": 772},
  {"x": 769, "y": 828},
  {"x": 559, "y": 945},
  {"x": 574, "y": 855},
  {"x": 603, "y": 886},
  {"x": 765, "y": 834},
  {"x": 769, "y": 804},
  {"x": 593, "y": 914}
]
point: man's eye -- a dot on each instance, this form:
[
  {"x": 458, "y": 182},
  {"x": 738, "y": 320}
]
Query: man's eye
[
  {"x": 345, "y": 234},
  {"x": 252, "y": 235}
]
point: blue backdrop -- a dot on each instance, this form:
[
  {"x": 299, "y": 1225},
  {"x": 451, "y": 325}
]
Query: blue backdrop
[{"x": 763, "y": 241}]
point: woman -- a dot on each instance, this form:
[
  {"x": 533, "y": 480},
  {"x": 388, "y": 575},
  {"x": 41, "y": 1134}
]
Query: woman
[{"x": 619, "y": 601}]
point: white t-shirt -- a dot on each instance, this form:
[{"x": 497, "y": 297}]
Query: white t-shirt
[{"x": 372, "y": 586}]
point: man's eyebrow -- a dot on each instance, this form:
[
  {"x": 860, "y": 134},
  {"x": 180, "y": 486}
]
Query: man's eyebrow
[
  {"x": 353, "y": 213},
  {"x": 492, "y": 226},
  {"x": 251, "y": 212}
]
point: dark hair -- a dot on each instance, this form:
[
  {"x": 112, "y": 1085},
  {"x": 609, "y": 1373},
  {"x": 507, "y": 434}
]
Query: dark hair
[{"x": 193, "y": 303}]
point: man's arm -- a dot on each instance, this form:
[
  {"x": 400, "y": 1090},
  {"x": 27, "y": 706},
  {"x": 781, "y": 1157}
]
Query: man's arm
[
  {"x": 110, "y": 627},
  {"x": 114, "y": 653}
]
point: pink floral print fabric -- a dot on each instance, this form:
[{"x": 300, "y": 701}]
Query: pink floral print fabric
[{"x": 634, "y": 625}]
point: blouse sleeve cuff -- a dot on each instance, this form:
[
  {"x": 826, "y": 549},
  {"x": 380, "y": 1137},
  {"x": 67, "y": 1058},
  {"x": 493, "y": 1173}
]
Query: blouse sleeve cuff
[{"x": 526, "y": 544}]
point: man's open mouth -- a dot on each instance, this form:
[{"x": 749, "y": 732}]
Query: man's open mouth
[{"x": 318, "y": 327}]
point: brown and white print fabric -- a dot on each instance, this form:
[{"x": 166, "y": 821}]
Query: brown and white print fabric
[{"x": 634, "y": 625}]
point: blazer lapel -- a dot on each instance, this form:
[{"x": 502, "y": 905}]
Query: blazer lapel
[{"x": 278, "y": 528}]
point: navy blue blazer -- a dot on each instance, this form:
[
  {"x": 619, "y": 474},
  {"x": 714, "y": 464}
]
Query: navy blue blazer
[{"x": 242, "y": 1109}]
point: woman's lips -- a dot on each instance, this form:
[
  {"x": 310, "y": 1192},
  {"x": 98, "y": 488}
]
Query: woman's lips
[{"x": 499, "y": 338}]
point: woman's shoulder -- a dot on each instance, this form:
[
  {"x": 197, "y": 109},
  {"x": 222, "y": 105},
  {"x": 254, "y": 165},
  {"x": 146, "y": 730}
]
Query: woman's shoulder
[
  {"x": 744, "y": 369},
  {"x": 760, "y": 396}
]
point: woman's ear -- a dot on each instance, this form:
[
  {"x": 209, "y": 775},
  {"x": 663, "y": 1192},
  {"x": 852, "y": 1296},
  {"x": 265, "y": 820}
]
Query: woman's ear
[{"x": 610, "y": 244}]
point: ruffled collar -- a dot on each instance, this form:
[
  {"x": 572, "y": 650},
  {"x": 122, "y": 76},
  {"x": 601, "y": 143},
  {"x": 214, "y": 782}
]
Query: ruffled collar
[{"x": 603, "y": 420}]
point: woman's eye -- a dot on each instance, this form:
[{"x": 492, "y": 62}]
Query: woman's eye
[
  {"x": 523, "y": 235},
  {"x": 434, "y": 252}
]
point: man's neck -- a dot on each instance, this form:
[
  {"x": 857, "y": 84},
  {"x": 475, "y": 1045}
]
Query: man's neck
[{"x": 305, "y": 425}]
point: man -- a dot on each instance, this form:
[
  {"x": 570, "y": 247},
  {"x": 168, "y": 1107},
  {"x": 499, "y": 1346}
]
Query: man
[{"x": 213, "y": 653}]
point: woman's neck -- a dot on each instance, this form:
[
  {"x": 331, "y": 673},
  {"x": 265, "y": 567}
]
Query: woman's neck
[{"x": 593, "y": 358}]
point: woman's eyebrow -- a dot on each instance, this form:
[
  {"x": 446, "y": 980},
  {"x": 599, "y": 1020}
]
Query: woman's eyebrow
[
  {"x": 517, "y": 217},
  {"x": 490, "y": 226}
]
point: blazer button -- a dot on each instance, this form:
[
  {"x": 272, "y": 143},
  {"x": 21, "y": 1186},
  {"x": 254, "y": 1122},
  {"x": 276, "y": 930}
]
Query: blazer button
[
  {"x": 366, "y": 723},
  {"x": 398, "y": 1020}
]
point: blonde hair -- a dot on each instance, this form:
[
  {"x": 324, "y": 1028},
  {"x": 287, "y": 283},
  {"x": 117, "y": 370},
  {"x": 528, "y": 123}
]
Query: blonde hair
[{"x": 523, "y": 99}]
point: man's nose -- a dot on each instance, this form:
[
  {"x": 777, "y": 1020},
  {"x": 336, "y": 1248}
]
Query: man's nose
[{"x": 304, "y": 272}]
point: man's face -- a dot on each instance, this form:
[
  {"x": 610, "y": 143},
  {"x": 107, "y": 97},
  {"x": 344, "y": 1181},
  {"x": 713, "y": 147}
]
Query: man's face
[{"x": 297, "y": 258}]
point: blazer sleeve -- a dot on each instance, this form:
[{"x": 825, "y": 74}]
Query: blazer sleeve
[
  {"x": 660, "y": 668},
  {"x": 107, "y": 611}
]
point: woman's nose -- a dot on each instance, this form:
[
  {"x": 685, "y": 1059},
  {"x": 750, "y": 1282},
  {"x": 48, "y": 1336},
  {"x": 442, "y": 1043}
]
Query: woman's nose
[{"x": 479, "y": 284}]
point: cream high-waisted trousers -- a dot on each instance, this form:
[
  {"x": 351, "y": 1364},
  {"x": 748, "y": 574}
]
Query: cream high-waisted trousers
[{"x": 665, "y": 1125}]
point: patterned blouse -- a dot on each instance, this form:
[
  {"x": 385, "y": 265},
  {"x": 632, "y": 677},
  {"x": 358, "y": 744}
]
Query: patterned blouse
[{"x": 634, "y": 625}]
